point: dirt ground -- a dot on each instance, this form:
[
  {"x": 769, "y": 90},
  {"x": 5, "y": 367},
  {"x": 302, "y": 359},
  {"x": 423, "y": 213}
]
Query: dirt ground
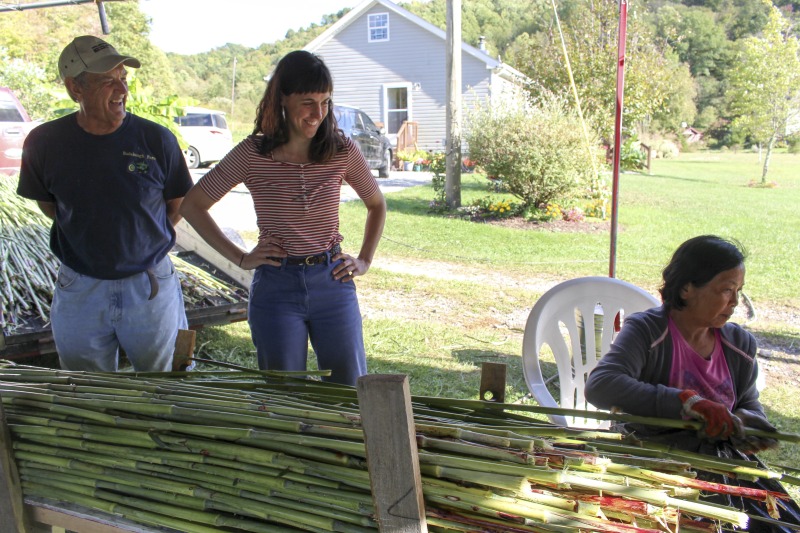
[{"x": 779, "y": 354}]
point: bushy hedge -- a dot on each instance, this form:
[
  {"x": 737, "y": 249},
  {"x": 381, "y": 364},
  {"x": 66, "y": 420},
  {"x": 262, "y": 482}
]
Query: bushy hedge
[{"x": 537, "y": 148}]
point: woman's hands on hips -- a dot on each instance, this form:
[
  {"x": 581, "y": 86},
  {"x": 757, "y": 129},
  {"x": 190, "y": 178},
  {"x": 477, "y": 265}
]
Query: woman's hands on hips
[
  {"x": 349, "y": 268},
  {"x": 263, "y": 254}
]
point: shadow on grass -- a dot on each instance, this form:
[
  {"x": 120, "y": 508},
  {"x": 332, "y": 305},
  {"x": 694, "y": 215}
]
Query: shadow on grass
[
  {"x": 676, "y": 178},
  {"x": 787, "y": 342},
  {"x": 477, "y": 356},
  {"x": 416, "y": 201}
]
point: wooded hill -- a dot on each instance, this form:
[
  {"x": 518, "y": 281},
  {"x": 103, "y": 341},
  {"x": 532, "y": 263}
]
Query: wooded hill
[{"x": 680, "y": 58}]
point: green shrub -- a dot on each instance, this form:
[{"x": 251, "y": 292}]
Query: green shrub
[
  {"x": 793, "y": 144},
  {"x": 438, "y": 166},
  {"x": 537, "y": 148},
  {"x": 667, "y": 149},
  {"x": 631, "y": 155}
]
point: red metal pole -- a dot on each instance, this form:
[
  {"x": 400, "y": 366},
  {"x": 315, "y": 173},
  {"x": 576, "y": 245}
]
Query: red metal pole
[{"x": 623, "y": 23}]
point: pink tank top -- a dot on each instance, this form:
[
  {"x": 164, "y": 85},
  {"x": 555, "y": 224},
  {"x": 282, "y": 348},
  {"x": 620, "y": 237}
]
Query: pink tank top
[{"x": 710, "y": 378}]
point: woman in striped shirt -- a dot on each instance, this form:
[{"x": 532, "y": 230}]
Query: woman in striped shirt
[{"x": 294, "y": 165}]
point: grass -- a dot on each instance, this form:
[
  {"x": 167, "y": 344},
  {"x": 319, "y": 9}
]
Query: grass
[
  {"x": 698, "y": 193},
  {"x": 439, "y": 328}
]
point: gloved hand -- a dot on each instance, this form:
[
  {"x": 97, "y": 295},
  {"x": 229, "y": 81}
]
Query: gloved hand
[
  {"x": 752, "y": 444},
  {"x": 718, "y": 422}
]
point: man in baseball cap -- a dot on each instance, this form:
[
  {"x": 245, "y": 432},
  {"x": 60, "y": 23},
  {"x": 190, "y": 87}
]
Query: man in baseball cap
[
  {"x": 88, "y": 53},
  {"x": 113, "y": 183}
]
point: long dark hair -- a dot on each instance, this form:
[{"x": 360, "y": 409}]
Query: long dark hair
[
  {"x": 698, "y": 261},
  {"x": 297, "y": 72}
]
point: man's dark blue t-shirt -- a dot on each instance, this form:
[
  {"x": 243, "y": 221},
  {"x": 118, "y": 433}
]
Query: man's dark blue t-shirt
[{"x": 110, "y": 192}]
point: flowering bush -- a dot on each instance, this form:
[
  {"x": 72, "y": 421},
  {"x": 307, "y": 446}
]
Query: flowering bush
[
  {"x": 467, "y": 165},
  {"x": 552, "y": 212},
  {"x": 536, "y": 147},
  {"x": 542, "y": 213},
  {"x": 573, "y": 214},
  {"x": 597, "y": 208},
  {"x": 488, "y": 208},
  {"x": 501, "y": 208}
]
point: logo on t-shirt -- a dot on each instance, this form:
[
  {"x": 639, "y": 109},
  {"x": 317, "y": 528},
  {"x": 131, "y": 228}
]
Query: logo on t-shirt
[{"x": 140, "y": 167}]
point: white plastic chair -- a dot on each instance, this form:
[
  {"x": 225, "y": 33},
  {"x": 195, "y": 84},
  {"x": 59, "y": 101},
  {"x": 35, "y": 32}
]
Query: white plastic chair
[{"x": 564, "y": 318}]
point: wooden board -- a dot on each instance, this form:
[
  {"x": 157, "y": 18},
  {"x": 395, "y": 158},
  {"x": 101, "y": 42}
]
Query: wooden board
[
  {"x": 188, "y": 239},
  {"x": 80, "y": 519},
  {"x": 390, "y": 437}
]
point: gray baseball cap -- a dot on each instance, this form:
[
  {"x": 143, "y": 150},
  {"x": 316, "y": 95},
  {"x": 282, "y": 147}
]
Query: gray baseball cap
[{"x": 88, "y": 53}]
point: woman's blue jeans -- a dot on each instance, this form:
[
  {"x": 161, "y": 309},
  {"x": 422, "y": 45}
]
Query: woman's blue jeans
[{"x": 291, "y": 304}]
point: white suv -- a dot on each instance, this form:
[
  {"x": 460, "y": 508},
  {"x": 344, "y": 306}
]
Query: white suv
[{"x": 206, "y": 131}]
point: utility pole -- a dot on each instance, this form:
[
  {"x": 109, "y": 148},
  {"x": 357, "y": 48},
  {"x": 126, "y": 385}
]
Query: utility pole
[
  {"x": 233, "y": 86},
  {"x": 452, "y": 186}
]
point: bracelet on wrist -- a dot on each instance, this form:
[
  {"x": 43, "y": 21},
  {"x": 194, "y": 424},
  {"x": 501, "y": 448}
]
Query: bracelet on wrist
[{"x": 241, "y": 259}]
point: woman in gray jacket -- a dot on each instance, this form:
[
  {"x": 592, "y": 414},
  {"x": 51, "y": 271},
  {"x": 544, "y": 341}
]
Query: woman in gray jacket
[{"x": 685, "y": 360}]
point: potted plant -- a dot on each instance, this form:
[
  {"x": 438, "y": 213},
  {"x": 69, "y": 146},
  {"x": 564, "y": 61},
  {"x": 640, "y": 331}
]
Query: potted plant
[
  {"x": 407, "y": 157},
  {"x": 421, "y": 160}
]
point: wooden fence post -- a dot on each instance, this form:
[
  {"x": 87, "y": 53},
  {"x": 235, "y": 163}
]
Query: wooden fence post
[
  {"x": 493, "y": 381},
  {"x": 390, "y": 438},
  {"x": 184, "y": 349},
  {"x": 12, "y": 510}
]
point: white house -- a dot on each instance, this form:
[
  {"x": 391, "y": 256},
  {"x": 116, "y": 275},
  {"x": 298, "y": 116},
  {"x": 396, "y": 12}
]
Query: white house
[{"x": 391, "y": 64}]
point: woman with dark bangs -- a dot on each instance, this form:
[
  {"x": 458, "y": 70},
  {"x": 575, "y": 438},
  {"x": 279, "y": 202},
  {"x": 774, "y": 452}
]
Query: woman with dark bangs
[
  {"x": 294, "y": 165},
  {"x": 686, "y": 360}
]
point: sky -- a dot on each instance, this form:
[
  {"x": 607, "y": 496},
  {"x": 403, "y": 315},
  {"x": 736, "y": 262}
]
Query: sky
[{"x": 194, "y": 26}]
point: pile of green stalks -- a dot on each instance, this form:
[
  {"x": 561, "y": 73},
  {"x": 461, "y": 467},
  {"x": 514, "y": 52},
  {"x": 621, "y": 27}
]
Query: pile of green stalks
[
  {"x": 28, "y": 268},
  {"x": 201, "y": 289},
  {"x": 268, "y": 452}
]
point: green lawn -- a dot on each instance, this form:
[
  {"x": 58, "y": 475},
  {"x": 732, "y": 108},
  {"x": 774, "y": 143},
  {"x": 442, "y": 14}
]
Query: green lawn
[
  {"x": 438, "y": 329},
  {"x": 695, "y": 194}
]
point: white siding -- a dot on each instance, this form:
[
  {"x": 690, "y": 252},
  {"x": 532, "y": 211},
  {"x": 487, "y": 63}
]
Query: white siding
[{"x": 412, "y": 55}]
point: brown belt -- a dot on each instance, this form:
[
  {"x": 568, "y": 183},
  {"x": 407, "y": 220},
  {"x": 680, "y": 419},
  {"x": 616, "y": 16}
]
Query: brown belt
[{"x": 313, "y": 259}]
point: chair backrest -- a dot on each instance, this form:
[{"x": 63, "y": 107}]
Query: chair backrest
[{"x": 576, "y": 319}]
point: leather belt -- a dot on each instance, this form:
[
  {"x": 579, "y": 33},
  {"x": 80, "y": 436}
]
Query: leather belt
[{"x": 317, "y": 259}]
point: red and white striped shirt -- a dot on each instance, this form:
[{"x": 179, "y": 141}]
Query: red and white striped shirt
[{"x": 296, "y": 202}]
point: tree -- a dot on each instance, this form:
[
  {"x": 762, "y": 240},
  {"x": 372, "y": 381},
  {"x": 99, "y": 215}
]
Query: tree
[
  {"x": 654, "y": 84},
  {"x": 29, "y": 84},
  {"x": 499, "y": 21},
  {"x": 764, "y": 85}
]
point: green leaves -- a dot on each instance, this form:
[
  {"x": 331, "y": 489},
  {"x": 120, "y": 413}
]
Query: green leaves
[
  {"x": 537, "y": 148},
  {"x": 764, "y": 84}
]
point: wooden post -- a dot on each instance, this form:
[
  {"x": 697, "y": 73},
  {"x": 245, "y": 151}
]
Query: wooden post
[
  {"x": 493, "y": 382},
  {"x": 453, "y": 107},
  {"x": 12, "y": 509},
  {"x": 649, "y": 152},
  {"x": 184, "y": 349},
  {"x": 390, "y": 437}
]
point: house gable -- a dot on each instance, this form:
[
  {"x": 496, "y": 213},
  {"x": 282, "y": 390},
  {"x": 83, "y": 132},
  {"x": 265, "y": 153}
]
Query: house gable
[{"x": 406, "y": 69}]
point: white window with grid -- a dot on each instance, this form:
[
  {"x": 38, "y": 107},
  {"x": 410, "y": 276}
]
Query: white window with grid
[{"x": 378, "y": 27}]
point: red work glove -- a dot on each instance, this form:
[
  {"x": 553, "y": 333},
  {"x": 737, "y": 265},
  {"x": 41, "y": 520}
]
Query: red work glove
[{"x": 718, "y": 422}]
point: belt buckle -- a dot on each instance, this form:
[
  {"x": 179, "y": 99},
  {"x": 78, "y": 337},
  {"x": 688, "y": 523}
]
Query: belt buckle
[{"x": 310, "y": 260}]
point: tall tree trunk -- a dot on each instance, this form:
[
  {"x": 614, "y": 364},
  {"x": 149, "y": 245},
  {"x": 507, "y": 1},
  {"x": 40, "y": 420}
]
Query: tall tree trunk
[{"x": 765, "y": 169}]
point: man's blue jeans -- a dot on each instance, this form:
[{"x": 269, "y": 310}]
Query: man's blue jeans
[
  {"x": 292, "y": 303},
  {"x": 92, "y": 318}
]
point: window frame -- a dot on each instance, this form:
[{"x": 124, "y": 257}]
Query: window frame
[{"x": 371, "y": 28}]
